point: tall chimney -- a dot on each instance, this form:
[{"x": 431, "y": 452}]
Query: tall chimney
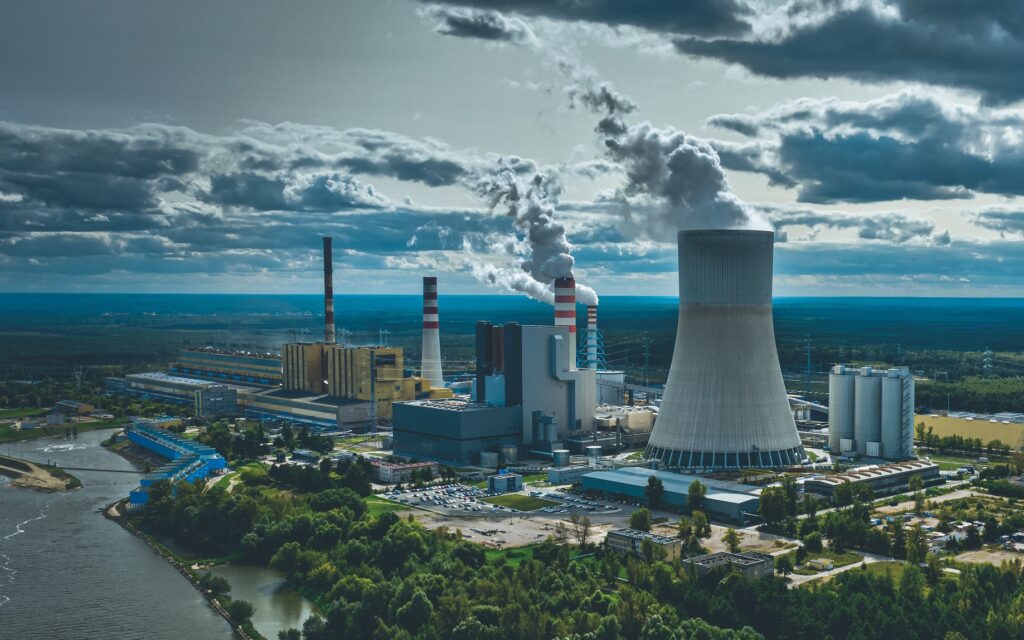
[
  {"x": 430, "y": 362},
  {"x": 565, "y": 312},
  {"x": 592, "y": 336},
  {"x": 328, "y": 292}
]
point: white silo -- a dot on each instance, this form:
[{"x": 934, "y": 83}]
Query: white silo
[
  {"x": 840, "y": 410},
  {"x": 867, "y": 416},
  {"x": 898, "y": 414},
  {"x": 725, "y": 403}
]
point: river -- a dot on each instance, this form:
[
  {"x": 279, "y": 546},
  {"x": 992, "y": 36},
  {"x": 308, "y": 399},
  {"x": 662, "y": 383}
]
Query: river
[{"x": 67, "y": 572}]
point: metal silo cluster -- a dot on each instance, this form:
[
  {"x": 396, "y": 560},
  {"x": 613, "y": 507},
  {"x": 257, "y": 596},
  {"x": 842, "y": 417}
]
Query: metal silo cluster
[{"x": 871, "y": 412}]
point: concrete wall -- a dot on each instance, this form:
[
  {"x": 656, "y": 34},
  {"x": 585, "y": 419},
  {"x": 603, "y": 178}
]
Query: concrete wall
[{"x": 456, "y": 437}]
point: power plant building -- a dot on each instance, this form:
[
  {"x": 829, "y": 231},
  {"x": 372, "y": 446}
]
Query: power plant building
[
  {"x": 527, "y": 393},
  {"x": 229, "y": 366},
  {"x": 871, "y": 412},
  {"x": 725, "y": 403}
]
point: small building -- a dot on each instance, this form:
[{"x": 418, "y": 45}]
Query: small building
[
  {"x": 567, "y": 475},
  {"x": 821, "y": 564},
  {"x": 395, "y": 472},
  {"x": 883, "y": 479},
  {"x": 215, "y": 401},
  {"x": 631, "y": 541},
  {"x": 72, "y": 407},
  {"x": 54, "y": 417},
  {"x": 305, "y": 455},
  {"x": 751, "y": 564},
  {"x": 505, "y": 483}
]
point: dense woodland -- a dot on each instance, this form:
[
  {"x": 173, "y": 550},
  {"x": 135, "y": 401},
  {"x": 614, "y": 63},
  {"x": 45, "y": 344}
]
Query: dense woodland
[{"x": 381, "y": 576}]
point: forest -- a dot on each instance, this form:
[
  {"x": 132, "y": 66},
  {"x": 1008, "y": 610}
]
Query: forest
[{"x": 377, "y": 575}]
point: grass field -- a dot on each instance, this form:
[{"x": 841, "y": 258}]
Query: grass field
[
  {"x": 514, "y": 556},
  {"x": 1010, "y": 434},
  {"x": 9, "y": 434},
  {"x": 14, "y": 414},
  {"x": 376, "y": 506},
  {"x": 520, "y": 502}
]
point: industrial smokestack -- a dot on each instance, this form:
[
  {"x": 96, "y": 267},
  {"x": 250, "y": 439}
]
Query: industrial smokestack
[
  {"x": 328, "y": 292},
  {"x": 430, "y": 363},
  {"x": 591, "y": 336},
  {"x": 725, "y": 403},
  {"x": 565, "y": 311}
]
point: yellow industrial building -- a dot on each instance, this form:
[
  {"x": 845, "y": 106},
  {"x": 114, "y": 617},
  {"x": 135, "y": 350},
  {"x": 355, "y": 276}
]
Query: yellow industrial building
[{"x": 345, "y": 372}]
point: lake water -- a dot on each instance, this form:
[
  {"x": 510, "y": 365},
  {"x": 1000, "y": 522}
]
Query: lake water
[{"x": 67, "y": 572}]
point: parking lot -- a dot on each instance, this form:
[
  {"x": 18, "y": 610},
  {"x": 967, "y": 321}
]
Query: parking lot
[{"x": 463, "y": 500}]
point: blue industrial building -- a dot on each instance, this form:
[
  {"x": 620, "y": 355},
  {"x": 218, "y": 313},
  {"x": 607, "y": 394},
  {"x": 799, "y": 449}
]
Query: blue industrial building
[
  {"x": 189, "y": 461},
  {"x": 631, "y": 482}
]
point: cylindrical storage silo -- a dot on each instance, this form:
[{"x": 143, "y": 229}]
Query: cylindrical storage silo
[
  {"x": 908, "y": 415},
  {"x": 509, "y": 453},
  {"x": 840, "y": 409},
  {"x": 892, "y": 416},
  {"x": 867, "y": 410},
  {"x": 593, "y": 451},
  {"x": 560, "y": 458},
  {"x": 489, "y": 459}
]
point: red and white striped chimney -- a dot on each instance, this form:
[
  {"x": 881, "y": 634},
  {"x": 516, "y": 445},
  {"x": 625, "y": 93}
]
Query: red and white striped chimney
[
  {"x": 591, "y": 336},
  {"x": 328, "y": 292},
  {"x": 565, "y": 312},
  {"x": 430, "y": 362}
]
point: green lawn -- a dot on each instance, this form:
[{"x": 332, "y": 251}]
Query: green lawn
[
  {"x": 376, "y": 505},
  {"x": 520, "y": 502},
  {"x": 9, "y": 434},
  {"x": 8, "y": 414},
  {"x": 514, "y": 556}
]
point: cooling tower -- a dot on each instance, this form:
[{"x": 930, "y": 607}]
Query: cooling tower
[
  {"x": 430, "y": 363},
  {"x": 725, "y": 404}
]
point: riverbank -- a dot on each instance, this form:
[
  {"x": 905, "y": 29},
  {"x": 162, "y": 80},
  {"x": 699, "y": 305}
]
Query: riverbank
[
  {"x": 10, "y": 432},
  {"x": 29, "y": 475},
  {"x": 115, "y": 513}
]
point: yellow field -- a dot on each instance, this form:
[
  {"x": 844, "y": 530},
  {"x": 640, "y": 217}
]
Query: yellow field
[{"x": 1011, "y": 434}]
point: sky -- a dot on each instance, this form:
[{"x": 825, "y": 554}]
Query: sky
[{"x": 498, "y": 144}]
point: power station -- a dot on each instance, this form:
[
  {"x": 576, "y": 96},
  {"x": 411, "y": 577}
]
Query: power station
[{"x": 725, "y": 403}]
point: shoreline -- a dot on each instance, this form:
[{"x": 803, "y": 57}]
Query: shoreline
[
  {"x": 26, "y": 474},
  {"x": 113, "y": 513}
]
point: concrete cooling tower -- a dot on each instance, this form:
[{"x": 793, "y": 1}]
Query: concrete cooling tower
[{"x": 725, "y": 403}]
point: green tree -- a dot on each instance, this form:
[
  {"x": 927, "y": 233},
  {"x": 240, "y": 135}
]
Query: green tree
[
  {"x": 695, "y": 496},
  {"x": 415, "y": 613},
  {"x": 731, "y": 539},
  {"x": 640, "y": 520},
  {"x": 917, "y": 545},
  {"x": 701, "y": 524},
  {"x": 812, "y": 542},
  {"x": 773, "y": 504},
  {"x": 240, "y": 611},
  {"x": 654, "y": 492},
  {"x": 784, "y": 564}
]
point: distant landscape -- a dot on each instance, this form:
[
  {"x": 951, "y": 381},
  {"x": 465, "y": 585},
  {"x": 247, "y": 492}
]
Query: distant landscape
[{"x": 944, "y": 339}]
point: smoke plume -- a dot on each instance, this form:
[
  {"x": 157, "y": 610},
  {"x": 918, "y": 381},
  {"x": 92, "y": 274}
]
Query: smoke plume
[{"x": 530, "y": 203}]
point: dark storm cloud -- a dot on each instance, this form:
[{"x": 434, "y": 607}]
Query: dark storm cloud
[
  {"x": 891, "y": 227},
  {"x": 955, "y": 43},
  {"x": 302, "y": 192},
  {"x": 698, "y": 17},
  {"x": 1003, "y": 221},
  {"x": 905, "y": 145},
  {"x": 463, "y": 22}
]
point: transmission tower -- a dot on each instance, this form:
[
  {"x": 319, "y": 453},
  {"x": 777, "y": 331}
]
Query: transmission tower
[
  {"x": 807, "y": 373},
  {"x": 986, "y": 363}
]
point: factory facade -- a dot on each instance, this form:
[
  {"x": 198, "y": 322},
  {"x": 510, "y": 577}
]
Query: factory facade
[
  {"x": 883, "y": 479},
  {"x": 527, "y": 394},
  {"x": 871, "y": 412},
  {"x": 188, "y": 460},
  {"x": 732, "y": 505},
  {"x": 228, "y": 366}
]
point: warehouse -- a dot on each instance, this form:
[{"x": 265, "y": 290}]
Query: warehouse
[
  {"x": 631, "y": 482},
  {"x": 883, "y": 479}
]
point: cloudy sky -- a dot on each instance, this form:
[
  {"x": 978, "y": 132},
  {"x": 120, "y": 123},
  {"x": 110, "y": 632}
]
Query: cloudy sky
[{"x": 206, "y": 146}]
